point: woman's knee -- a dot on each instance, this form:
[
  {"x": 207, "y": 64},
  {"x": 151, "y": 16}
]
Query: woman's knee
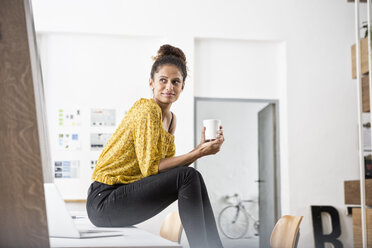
[
  {"x": 188, "y": 170},
  {"x": 192, "y": 172},
  {"x": 199, "y": 174},
  {"x": 187, "y": 174}
]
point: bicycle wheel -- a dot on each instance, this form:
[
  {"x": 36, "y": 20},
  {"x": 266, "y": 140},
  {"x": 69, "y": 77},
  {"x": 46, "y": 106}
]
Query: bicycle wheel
[{"x": 233, "y": 222}]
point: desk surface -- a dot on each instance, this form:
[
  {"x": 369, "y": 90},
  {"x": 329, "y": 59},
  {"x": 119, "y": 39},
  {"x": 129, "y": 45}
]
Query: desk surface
[{"x": 132, "y": 237}]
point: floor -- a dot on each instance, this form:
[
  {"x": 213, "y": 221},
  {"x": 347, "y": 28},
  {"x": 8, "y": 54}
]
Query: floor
[{"x": 250, "y": 242}]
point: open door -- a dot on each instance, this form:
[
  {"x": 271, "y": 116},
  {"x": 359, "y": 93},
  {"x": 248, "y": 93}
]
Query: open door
[{"x": 267, "y": 173}]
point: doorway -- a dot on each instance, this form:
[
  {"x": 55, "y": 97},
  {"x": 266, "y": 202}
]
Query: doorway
[{"x": 249, "y": 152}]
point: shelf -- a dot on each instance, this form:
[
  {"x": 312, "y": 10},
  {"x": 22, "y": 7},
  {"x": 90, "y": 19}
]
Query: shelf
[
  {"x": 352, "y": 192},
  {"x": 364, "y": 57},
  {"x": 365, "y": 94},
  {"x": 357, "y": 227}
]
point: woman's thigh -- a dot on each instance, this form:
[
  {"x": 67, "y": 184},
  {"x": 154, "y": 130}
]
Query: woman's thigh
[{"x": 136, "y": 202}]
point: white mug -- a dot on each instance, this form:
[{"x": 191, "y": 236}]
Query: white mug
[{"x": 212, "y": 127}]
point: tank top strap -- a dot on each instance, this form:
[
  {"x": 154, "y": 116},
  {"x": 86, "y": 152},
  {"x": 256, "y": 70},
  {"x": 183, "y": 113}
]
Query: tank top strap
[{"x": 170, "y": 124}]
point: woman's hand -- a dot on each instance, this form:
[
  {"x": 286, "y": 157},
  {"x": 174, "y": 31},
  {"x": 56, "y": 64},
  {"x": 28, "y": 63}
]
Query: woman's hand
[{"x": 206, "y": 148}]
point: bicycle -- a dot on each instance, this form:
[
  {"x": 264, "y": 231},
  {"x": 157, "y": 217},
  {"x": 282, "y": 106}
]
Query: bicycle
[{"x": 233, "y": 220}]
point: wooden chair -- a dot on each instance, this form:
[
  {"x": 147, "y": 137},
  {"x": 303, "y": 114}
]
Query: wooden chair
[
  {"x": 171, "y": 228},
  {"x": 285, "y": 232}
]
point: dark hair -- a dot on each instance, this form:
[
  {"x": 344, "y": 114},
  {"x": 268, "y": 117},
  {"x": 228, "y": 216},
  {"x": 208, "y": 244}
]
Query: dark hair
[{"x": 170, "y": 55}]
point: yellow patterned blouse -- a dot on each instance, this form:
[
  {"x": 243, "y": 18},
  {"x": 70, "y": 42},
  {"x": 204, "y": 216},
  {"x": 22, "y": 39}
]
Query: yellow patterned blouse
[{"x": 135, "y": 149}]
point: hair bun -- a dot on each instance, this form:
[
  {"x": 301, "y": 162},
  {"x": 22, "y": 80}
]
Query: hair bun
[
  {"x": 167, "y": 49},
  {"x": 169, "y": 55}
]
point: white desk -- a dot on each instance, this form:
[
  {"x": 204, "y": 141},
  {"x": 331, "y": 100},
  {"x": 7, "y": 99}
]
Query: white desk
[{"x": 133, "y": 237}]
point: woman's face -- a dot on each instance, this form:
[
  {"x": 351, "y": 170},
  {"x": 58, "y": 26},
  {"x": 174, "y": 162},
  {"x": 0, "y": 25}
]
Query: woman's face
[{"x": 167, "y": 84}]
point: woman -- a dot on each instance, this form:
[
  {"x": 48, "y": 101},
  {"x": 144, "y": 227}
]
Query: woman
[{"x": 137, "y": 174}]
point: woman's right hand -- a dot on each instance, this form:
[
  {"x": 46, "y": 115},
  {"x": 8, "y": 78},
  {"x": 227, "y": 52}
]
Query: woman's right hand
[{"x": 206, "y": 148}]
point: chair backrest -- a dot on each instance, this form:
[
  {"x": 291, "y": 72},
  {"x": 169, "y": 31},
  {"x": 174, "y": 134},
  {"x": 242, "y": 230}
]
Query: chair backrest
[
  {"x": 171, "y": 228},
  {"x": 285, "y": 232}
]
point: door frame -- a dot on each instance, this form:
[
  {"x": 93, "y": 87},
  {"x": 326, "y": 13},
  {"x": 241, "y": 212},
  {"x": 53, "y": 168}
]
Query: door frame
[{"x": 277, "y": 125}]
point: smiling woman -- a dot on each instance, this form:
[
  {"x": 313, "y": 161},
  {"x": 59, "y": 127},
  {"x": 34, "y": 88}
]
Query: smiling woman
[
  {"x": 167, "y": 80},
  {"x": 167, "y": 86},
  {"x": 138, "y": 175}
]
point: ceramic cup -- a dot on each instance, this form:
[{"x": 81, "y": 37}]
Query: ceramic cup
[{"x": 212, "y": 126}]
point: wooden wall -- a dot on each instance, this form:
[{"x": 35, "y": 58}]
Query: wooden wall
[{"x": 23, "y": 220}]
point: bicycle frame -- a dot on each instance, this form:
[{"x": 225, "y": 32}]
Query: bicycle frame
[
  {"x": 248, "y": 213},
  {"x": 240, "y": 210}
]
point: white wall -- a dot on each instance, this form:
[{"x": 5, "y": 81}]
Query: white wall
[
  {"x": 322, "y": 110},
  {"x": 237, "y": 68},
  {"x": 318, "y": 125}
]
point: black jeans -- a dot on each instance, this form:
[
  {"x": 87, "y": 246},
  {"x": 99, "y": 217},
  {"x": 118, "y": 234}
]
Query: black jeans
[{"x": 123, "y": 205}]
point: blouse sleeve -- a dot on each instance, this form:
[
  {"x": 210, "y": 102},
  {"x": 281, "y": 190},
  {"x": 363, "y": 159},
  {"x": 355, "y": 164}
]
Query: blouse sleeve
[
  {"x": 171, "y": 151},
  {"x": 146, "y": 136}
]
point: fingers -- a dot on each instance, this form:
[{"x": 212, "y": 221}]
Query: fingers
[
  {"x": 218, "y": 141},
  {"x": 203, "y": 135},
  {"x": 220, "y": 135},
  {"x": 213, "y": 146}
]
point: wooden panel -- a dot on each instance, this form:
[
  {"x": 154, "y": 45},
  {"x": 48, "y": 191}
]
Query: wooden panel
[
  {"x": 365, "y": 94},
  {"x": 364, "y": 57},
  {"x": 357, "y": 227},
  {"x": 22, "y": 206},
  {"x": 352, "y": 192}
]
